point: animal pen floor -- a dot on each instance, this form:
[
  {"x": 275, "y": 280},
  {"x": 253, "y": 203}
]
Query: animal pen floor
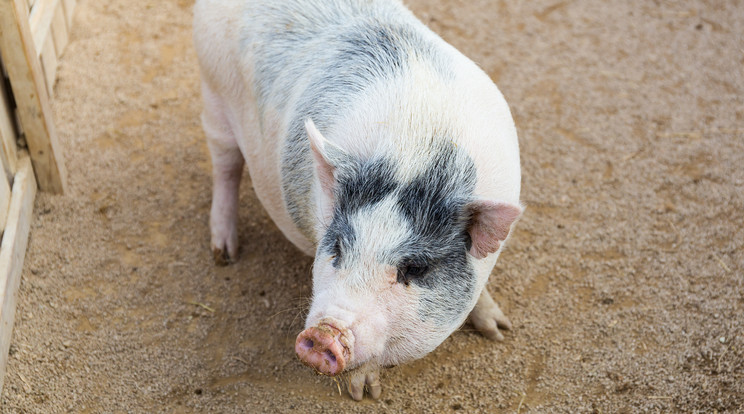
[{"x": 624, "y": 279}]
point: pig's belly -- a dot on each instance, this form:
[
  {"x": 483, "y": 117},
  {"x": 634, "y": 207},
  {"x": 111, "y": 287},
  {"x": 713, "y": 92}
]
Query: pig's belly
[{"x": 261, "y": 152}]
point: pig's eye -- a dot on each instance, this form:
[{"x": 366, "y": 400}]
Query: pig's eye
[
  {"x": 407, "y": 272},
  {"x": 414, "y": 271}
]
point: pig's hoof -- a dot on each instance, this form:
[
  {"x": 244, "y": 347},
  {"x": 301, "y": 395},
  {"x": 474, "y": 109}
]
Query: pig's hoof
[
  {"x": 221, "y": 257},
  {"x": 488, "y": 319},
  {"x": 224, "y": 243},
  {"x": 225, "y": 250},
  {"x": 361, "y": 380}
]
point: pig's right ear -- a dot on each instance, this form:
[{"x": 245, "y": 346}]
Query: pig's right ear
[
  {"x": 490, "y": 223},
  {"x": 323, "y": 152}
]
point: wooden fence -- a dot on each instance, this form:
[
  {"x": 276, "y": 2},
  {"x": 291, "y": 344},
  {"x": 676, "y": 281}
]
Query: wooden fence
[{"x": 33, "y": 35}]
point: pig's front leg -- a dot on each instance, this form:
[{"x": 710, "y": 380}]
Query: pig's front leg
[
  {"x": 365, "y": 377},
  {"x": 488, "y": 318},
  {"x": 227, "y": 170}
]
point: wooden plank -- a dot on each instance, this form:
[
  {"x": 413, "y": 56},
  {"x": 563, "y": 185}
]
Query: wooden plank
[
  {"x": 59, "y": 30},
  {"x": 69, "y": 6},
  {"x": 49, "y": 64},
  {"x": 12, "y": 253},
  {"x": 34, "y": 108},
  {"x": 4, "y": 202},
  {"x": 2, "y": 66},
  {"x": 8, "y": 132},
  {"x": 40, "y": 21}
]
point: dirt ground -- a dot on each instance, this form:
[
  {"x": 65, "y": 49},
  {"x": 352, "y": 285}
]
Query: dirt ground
[{"x": 624, "y": 280}]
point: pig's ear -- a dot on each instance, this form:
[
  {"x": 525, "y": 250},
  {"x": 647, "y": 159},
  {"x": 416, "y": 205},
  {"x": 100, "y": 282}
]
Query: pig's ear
[
  {"x": 490, "y": 222},
  {"x": 323, "y": 152}
]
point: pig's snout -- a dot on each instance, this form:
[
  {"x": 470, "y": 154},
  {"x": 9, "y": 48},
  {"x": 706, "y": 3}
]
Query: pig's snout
[{"x": 324, "y": 348}]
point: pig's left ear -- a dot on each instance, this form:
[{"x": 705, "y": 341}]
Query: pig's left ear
[
  {"x": 490, "y": 222},
  {"x": 325, "y": 155}
]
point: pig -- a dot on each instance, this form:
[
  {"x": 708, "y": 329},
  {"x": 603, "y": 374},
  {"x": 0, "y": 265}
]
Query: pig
[{"x": 375, "y": 147}]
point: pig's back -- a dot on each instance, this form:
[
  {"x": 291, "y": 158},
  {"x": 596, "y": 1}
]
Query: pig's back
[
  {"x": 351, "y": 66},
  {"x": 318, "y": 60}
]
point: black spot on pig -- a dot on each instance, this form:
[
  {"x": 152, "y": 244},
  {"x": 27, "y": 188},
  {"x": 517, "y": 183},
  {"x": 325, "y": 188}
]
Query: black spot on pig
[
  {"x": 369, "y": 53},
  {"x": 364, "y": 183},
  {"x": 434, "y": 203},
  {"x": 360, "y": 184},
  {"x": 338, "y": 239}
]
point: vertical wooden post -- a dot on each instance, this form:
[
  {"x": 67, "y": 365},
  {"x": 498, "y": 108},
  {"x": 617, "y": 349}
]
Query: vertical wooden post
[
  {"x": 7, "y": 129},
  {"x": 27, "y": 80},
  {"x": 69, "y": 7},
  {"x": 59, "y": 30}
]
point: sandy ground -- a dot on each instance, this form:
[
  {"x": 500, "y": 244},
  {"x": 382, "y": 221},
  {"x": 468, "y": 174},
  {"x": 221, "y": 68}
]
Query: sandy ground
[{"x": 624, "y": 280}]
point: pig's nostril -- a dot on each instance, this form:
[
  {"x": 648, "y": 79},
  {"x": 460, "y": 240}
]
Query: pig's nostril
[{"x": 318, "y": 348}]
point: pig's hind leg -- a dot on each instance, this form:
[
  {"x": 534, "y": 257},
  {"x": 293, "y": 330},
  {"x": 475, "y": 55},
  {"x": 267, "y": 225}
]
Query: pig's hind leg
[
  {"x": 227, "y": 170},
  {"x": 488, "y": 318}
]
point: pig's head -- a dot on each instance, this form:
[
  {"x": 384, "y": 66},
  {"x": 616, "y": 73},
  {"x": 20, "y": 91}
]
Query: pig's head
[{"x": 399, "y": 264}]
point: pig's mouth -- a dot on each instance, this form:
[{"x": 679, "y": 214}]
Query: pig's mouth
[{"x": 325, "y": 348}]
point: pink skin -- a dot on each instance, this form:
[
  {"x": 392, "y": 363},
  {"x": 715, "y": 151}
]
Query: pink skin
[
  {"x": 492, "y": 222},
  {"x": 362, "y": 316},
  {"x": 325, "y": 348}
]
